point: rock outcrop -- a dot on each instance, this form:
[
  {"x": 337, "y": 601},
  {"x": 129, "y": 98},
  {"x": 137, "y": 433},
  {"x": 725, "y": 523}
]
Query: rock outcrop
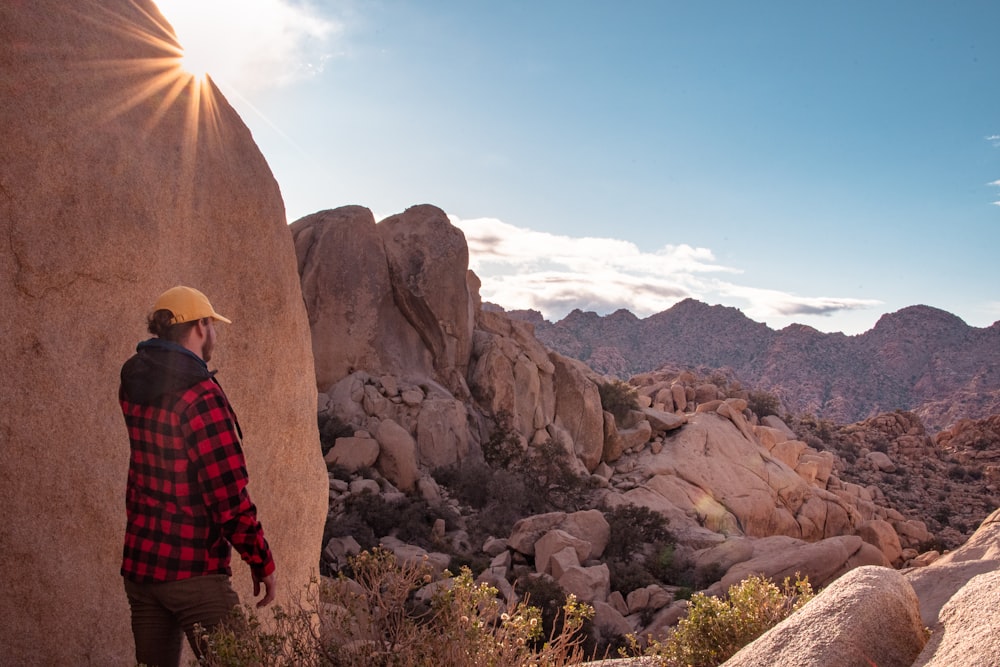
[
  {"x": 950, "y": 481},
  {"x": 391, "y": 298},
  {"x": 869, "y": 616},
  {"x": 741, "y": 495},
  {"x": 959, "y": 594},
  {"x": 115, "y": 184}
]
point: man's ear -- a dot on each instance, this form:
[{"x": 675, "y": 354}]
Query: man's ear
[{"x": 200, "y": 327}]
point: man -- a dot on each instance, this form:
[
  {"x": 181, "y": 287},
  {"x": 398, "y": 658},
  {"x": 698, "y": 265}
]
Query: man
[{"x": 186, "y": 497}]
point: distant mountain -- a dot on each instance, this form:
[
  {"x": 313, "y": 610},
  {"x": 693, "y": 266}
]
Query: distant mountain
[{"x": 919, "y": 358}]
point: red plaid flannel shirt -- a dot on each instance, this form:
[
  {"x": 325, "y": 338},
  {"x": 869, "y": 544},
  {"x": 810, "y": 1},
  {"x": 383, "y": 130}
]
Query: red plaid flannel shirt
[{"x": 186, "y": 498}]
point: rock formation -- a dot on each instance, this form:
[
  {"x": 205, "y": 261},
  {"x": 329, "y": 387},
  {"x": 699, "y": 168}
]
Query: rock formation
[
  {"x": 951, "y": 481},
  {"x": 959, "y": 594},
  {"x": 867, "y": 617},
  {"x": 115, "y": 185},
  {"x": 740, "y": 494},
  {"x": 377, "y": 302}
]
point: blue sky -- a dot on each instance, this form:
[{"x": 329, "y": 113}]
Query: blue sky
[{"x": 819, "y": 163}]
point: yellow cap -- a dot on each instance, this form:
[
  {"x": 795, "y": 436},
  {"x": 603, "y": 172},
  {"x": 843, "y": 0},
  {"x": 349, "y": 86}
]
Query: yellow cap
[{"x": 187, "y": 304}]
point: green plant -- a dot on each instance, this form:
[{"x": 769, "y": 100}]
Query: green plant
[
  {"x": 372, "y": 620},
  {"x": 640, "y": 550},
  {"x": 619, "y": 398},
  {"x": 331, "y": 428},
  {"x": 716, "y": 628},
  {"x": 369, "y": 516},
  {"x": 632, "y": 526},
  {"x": 763, "y": 403},
  {"x": 503, "y": 447}
]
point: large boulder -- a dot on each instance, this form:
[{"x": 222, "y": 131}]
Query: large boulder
[
  {"x": 388, "y": 298},
  {"x": 348, "y": 293},
  {"x": 116, "y": 184},
  {"x": 937, "y": 583},
  {"x": 511, "y": 373},
  {"x": 721, "y": 476},
  {"x": 968, "y": 631},
  {"x": 867, "y": 617},
  {"x": 779, "y": 557},
  {"x": 428, "y": 262},
  {"x": 578, "y": 409}
]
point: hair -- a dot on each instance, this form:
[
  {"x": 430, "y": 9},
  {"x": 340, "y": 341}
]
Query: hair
[{"x": 159, "y": 324}]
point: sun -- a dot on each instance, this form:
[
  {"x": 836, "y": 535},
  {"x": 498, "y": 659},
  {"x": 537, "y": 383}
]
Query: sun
[{"x": 199, "y": 55}]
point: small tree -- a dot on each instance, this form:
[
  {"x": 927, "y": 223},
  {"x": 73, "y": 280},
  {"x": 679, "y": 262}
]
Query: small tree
[
  {"x": 764, "y": 403},
  {"x": 619, "y": 398}
]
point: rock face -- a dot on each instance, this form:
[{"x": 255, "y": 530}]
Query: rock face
[
  {"x": 108, "y": 197},
  {"x": 969, "y": 629},
  {"x": 867, "y": 617},
  {"x": 919, "y": 358},
  {"x": 959, "y": 594},
  {"x": 388, "y": 298},
  {"x": 399, "y": 335}
]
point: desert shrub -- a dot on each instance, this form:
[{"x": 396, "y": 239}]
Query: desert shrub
[
  {"x": 549, "y": 598},
  {"x": 716, "y": 628},
  {"x": 503, "y": 447},
  {"x": 640, "y": 550},
  {"x": 633, "y": 526},
  {"x": 331, "y": 428},
  {"x": 763, "y": 403},
  {"x": 627, "y": 576},
  {"x": 369, "y": 516},
  {"x": 514, "y": 482},
  {"x": 372, "y": 621},
  {"x": 619, "y": 398},
  {"x": 469, "y": 482}
]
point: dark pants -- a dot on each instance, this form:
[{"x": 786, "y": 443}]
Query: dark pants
[{"x": 163, "y": 612}]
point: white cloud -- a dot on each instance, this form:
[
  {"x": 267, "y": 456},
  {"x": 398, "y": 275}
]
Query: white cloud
[
  {"x": 994, "y": 139},
  {"x": 251, "y": 44},
  {"x": 997, "y": 183},
  {"x": 551, "y": 273},
  {"x": 765, "y": 303}
]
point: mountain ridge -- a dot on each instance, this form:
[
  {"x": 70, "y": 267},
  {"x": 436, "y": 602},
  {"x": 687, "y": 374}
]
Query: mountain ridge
[{"x": 918, "y": 358}]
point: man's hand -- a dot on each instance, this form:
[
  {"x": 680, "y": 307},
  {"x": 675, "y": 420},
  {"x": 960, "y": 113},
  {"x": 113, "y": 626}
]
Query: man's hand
[{"x": 269, "y": 589}]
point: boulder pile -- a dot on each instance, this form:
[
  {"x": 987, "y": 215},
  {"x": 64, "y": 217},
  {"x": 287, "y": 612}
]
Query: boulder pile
[{"x": 414, "y": 375}]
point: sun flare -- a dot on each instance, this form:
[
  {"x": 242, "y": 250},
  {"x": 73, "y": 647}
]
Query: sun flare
[{"x": 247, "y": 45}]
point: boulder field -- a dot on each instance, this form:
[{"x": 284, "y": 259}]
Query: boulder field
[{"x": 741, "y": 494}]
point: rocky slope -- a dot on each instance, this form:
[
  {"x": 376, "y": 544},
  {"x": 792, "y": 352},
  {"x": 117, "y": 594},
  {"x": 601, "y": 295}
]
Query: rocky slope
[
  {"x": 919, "y": 358},
  {"x": 482, "y": 446}
]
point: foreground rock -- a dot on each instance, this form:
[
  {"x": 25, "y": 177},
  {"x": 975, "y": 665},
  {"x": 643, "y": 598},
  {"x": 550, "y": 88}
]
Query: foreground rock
[
  {"x": 869, "y": 616},
  {"x": 106, "y": 199},
  {"x": 959, "y": 595},
  {"x": 968, "y": 631}
]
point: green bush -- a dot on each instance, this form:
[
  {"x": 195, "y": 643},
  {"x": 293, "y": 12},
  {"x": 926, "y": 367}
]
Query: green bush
[
  {"x": 372, "y": 621},
  {"x": 369, "y": 516},
  {"x": 633, "y": 526},
  {"x": 640, "y": 550},
  {"x": 716, "y": 628},
  {"x": 331, "y": 428},
  {"x": 763, "y": 403},
  {"x": 514, "y": 482},
  {"x": 619, "y": 398},
  {"x": 503, "y": 448}
]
